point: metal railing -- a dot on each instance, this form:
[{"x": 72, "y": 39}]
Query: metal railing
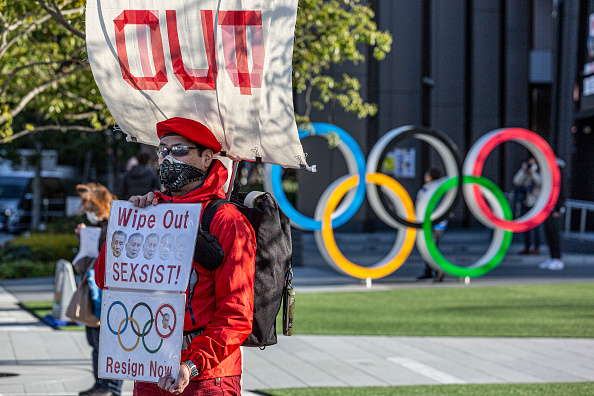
[{"x": 584, "y": 207}]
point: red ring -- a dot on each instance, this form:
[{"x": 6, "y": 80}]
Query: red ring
[
  {"x": 531, "y": 137},
  {"x": 174, "y": 320}
]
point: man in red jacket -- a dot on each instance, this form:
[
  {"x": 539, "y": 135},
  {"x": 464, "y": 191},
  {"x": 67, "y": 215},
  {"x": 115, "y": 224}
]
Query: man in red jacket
[{"x": 219, "y": 307}]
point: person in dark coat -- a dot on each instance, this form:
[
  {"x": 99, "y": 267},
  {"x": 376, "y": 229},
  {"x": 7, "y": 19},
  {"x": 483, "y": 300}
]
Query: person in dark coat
[
  {"x": 140, "y": 179},
  {"x": 552, "y": 227}
]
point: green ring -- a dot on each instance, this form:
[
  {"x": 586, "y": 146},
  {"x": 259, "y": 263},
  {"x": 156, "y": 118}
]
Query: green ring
[
  {"x": 143, "y": 343},
  {"x": 451, "y": 268}
]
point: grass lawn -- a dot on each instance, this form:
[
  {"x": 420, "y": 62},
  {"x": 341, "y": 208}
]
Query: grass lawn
[
  {"x": 558, "y": 310},
  {"x": 573, "y": 389},
  {"x": 561, "y": 310},
  {"x": 42, "y": 308}
]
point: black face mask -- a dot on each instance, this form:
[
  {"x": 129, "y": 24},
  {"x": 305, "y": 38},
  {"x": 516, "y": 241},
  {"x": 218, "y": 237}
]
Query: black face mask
[{"x": 175, "y": 175}]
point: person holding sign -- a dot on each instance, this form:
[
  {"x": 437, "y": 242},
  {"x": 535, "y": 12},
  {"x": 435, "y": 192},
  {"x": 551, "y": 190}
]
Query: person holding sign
[
  {"x": 219, "y": 310},
  {"x": 96, "y": 202}
]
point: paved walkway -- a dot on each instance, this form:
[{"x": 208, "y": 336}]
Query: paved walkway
[{"x": 49, "y": 362}]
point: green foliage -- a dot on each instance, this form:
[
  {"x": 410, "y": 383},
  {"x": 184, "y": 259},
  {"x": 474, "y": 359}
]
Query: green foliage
[
  {"x": 563, "y": 310},
  {"x": 40, "y": 247},
  {"x": 36, "y": 255},
  {"x": 45, "y": 78},
  {"x": 331, "y": 32},
  {"x": 26, "y": 269}
]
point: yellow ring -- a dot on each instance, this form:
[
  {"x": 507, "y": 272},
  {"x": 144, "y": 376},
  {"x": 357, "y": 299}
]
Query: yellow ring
[
  {"x": 328, "y": 233},
  {"x": 120, "y": 340}
]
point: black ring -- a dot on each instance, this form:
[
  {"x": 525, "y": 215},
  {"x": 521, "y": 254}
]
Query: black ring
[
  {"x": 414, "y": 131},
  {"x": 132, "y": 316}
]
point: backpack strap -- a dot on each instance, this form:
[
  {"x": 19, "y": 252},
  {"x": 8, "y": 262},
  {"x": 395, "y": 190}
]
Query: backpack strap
[
  {"x": 208, "y": 251},
  {"x": 209, "y": 212}
]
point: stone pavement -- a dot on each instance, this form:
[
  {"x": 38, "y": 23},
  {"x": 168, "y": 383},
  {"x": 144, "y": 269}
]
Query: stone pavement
[{"x": 50, "y": 362}]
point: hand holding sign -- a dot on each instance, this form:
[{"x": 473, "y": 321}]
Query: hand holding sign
[
  {"x": 142, "y": 201},
  {"x": 173, "y": 385}
]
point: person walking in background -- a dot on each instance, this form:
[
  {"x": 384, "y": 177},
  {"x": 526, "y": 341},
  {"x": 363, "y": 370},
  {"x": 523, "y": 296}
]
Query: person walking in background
[
  {"x": 139, "y": 179},
  {"x": 527, "y": 183},
  {"x": 552, "y": 227},
  {"x": 96, "y": 202},
  {"x": 438, "y": 229}
]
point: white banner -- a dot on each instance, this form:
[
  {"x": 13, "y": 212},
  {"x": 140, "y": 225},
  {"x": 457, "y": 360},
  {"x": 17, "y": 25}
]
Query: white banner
[
  {"x": 151, "y": 248},
  {"x": 140, "y": 335},
  {"x": 226, "y": 64}
]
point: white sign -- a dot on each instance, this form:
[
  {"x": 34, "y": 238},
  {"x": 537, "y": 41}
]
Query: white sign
[
  {"x": 140, "y": 335},
  {"x": 225, "y": 64},
  {"x": 89, "y": 243},
  {"x": 151, "y": 248}
]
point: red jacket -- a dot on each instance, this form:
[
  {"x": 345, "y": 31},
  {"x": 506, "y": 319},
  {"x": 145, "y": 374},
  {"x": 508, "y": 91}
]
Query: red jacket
[{"x": 220, "y": 301}]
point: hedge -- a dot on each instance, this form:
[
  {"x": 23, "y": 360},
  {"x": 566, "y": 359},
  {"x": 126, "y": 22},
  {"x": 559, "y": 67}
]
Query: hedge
[{"x": 36, "y": 255}]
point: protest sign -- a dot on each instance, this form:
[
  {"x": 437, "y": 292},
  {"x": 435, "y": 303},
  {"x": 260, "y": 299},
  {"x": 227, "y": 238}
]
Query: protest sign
[
  {"x": 140, "y": 335},
  {"x": 151, "y": 248},
  {"x": 89, "y": 243},
  {"x": 225, "y": 64}
]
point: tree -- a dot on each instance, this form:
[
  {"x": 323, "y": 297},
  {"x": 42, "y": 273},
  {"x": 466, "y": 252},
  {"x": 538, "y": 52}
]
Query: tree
[
  {"x": 328, "y": 33},
  {"x": 46, "y": 81}
]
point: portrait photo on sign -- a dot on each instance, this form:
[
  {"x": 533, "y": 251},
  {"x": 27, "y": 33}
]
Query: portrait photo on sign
[{"x": 151, "y": 248}]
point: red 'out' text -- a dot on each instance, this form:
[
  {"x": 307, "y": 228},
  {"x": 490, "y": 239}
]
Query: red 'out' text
[{"x": 233, "y": 25}]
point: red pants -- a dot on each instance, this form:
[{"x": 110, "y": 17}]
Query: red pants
[{"x": 209, "y": 387}]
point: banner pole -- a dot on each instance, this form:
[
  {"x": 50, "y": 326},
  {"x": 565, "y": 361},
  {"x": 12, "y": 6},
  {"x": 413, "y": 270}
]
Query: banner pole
[{"x": 232, "y": 180}]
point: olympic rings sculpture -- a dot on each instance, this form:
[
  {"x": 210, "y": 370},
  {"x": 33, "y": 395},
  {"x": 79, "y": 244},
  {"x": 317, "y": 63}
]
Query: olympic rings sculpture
[
  {"x": 484, "y": 198},
  {"x": 140, "y": 335}
]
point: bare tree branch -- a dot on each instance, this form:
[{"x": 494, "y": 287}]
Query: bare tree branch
[
  {"x": 308, "y": 101},
  {"x": 27, "y": 98},
  {"x": 62, "y": 128},
  {"x": 18, "y": 69},
  {"x": 79, "y": 116},
  {"x": 58, "y": 15},
  {"x": 33, "y": 26},
  {"x": 88, "y": 103}
]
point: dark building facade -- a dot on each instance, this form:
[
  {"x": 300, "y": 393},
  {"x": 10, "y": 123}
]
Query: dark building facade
[
  {"x": 583, "y": 161},
  {"x": 467, "y": 67}
]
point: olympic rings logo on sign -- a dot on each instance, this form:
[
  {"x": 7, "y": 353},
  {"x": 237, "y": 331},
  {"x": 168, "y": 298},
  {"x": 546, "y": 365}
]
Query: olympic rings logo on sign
[
  {"x": 484, "y": 198},
  {"x": 149, "y": 323}
]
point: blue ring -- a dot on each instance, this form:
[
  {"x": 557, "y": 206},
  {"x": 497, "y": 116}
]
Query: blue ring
[
  {"x": 109, "y": 311},
  {"x": 306, "y": 222}
]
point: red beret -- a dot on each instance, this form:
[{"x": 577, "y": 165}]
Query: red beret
[{"x": 191, "y": 130}]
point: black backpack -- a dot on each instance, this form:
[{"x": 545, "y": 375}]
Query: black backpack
[{"x": 273, "y": 274}]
